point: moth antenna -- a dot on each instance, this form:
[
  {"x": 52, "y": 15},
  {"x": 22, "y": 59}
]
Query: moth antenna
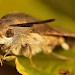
[{"x": 31, "y": 23}]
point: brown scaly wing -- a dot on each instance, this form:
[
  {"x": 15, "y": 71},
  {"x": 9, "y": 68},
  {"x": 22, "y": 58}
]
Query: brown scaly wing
[
  {"x": 45, "y": 29},
  {"x": 36, "y": 26}
]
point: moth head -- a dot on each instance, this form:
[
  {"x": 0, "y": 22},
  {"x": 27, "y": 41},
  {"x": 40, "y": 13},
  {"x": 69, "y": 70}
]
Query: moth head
[
  {"x": 6, "y": 37},
  {"x": 7, "y": 31}
]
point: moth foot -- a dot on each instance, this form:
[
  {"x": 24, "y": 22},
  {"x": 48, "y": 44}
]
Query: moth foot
[
  {"x": 7, "y": 58},
  {"x": 1, "y": 62}
]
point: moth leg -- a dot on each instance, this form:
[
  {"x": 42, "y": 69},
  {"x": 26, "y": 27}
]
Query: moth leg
[
  {"x": 1, "y": 62},
  {"x": 61, "y": 56},
  {"x": 5, "y": 55},
  {"x": 49, "y": 50},
  {"x": 63, "y": 44},
  {"x": 31, "y": 61},
  {"x": 7, "y": 58}
]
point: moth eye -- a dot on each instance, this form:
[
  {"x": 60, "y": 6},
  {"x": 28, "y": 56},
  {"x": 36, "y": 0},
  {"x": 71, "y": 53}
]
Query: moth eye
[{"x": 9, "y": 33}]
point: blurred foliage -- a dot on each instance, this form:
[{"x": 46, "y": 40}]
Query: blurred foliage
[
  {"x": 48, "y": 64},
  {"x": 64, "y": 13}
]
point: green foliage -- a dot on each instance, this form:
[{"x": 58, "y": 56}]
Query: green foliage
[{"x": 48, "y": 64}]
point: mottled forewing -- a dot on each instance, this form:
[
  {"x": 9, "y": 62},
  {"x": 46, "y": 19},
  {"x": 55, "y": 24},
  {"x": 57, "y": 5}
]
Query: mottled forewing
[
  {"x": 43, "y": 29},
  {"x": 49, "y": 30}
]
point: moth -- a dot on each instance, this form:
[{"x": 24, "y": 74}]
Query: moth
[{"x": 22, "y": 34}]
